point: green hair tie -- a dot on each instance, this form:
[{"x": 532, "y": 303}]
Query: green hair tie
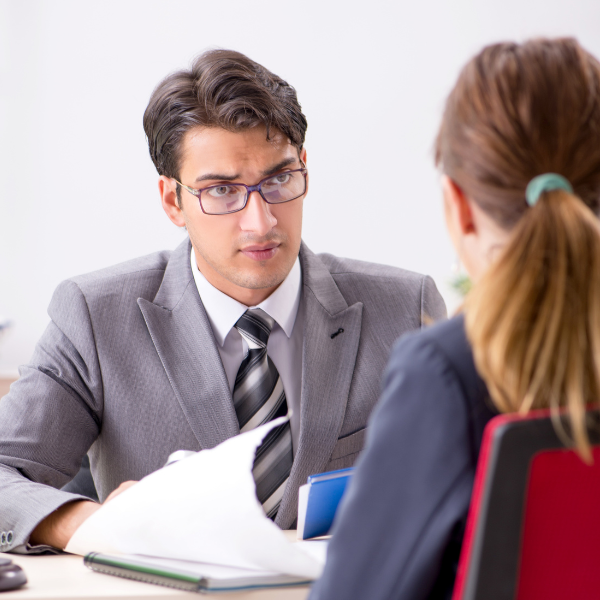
[{"x": 545, "y": 183}]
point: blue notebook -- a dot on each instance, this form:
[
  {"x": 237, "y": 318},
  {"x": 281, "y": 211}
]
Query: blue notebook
[{"x": 318, "y": 501}]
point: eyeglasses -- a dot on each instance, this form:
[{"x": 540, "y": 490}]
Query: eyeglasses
[{"x": 226, "y": 198}]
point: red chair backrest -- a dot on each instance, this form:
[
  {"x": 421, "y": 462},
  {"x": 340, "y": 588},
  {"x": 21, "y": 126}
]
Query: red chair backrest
[{"x": 533, "y": 530}]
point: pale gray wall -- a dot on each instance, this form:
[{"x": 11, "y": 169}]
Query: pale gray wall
[{"x": 79, "y": 190}]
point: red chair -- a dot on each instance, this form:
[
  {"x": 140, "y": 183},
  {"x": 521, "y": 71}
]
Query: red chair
[{"x": 533, "y": 530}]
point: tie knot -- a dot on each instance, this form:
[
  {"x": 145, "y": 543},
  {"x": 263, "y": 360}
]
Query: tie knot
[{"x": 255, "y": 325}]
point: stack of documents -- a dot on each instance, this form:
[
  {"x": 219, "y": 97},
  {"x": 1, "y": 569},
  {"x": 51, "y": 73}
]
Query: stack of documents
[{"x": 202, "y": 511}]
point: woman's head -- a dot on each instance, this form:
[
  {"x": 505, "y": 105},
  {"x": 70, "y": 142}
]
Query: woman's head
[{"x": 516, "y": 112}]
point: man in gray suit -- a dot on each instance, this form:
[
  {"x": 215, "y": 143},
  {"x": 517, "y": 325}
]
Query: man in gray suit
[{"x": 240, "y": 324}]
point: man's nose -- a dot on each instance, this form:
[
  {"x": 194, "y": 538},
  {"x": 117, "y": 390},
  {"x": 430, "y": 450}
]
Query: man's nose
[{"x": 257, "y": 216}]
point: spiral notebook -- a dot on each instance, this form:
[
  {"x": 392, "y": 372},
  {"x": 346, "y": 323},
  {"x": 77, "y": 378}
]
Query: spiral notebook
[{"x": 187, "y": 575}]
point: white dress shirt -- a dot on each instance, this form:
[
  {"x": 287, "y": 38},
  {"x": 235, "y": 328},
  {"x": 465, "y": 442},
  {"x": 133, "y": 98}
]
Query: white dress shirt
[{"x": 285, "y": 342}]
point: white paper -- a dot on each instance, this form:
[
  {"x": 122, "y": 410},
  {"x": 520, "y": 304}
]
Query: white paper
[
  {"x": 203, "y": 508},
  {"x": 302, "y": 506}
]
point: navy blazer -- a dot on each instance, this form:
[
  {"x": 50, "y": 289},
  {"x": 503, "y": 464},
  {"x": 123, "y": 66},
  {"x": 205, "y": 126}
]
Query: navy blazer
[{"x": 400, "y": 526}]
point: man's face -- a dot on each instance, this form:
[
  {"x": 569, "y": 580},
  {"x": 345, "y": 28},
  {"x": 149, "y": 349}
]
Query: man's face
[{"x": 246, "y": 254}]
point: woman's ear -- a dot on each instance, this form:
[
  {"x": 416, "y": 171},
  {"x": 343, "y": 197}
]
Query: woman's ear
[
  {"x": 459, "y": 214},
  {"x": 473, "y": 233}
]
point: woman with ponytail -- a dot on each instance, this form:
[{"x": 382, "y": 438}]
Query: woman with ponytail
[{"x": 519, "y": 151}]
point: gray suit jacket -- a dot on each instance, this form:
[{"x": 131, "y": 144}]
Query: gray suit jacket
[{"x": 128, "y": 369}]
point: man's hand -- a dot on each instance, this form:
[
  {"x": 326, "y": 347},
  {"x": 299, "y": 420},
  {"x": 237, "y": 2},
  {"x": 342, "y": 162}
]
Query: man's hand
[
  {"x": 124, "y": 486},
  {"x": 58, "y": 527}
]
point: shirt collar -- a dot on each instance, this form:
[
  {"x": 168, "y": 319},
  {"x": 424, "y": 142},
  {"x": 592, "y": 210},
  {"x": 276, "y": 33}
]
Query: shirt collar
[{"x": 223, "y": 311}]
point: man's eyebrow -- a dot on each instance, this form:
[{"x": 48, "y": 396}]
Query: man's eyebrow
[
  {"x": 281, "y": 165},
  {"x": 221, "y": 177},
  {"x": 218, "y": 177}
]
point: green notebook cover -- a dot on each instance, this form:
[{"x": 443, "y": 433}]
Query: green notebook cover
[{"x": 186, "y": 575}]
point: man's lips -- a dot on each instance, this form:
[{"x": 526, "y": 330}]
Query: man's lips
[{"x": 261, "y": 251}]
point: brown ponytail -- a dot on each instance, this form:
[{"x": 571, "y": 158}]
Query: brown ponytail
[{"x": 534, "y": 318}]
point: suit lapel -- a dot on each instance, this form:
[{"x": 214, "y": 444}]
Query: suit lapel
[
  {"x": 327, "y": 370},
  {"x": 184, "y": 341}
]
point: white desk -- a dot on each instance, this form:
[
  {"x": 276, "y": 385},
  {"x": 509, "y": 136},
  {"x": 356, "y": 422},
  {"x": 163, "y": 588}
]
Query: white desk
[{"x": 65, "y": 577}]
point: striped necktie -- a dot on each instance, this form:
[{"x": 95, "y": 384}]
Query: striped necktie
[{"x": 258, "y": 397}]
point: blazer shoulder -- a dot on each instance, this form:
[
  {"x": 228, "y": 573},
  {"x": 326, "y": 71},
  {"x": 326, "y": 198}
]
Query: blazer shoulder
[
  {"x": 363, "y": 269},
  {"x": 137, "y": 278},
  {"x": 137, "y": 267},
  {"x": 399, "y": 293},
  {"x": 446, "y": 344}
]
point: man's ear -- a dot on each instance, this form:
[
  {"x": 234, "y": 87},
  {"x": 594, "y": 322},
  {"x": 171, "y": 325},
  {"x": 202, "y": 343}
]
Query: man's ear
[
  {"x": 303, "y": 159},
  {"x": 168, "y": 197},
  {"x": 458, "y": 207}
]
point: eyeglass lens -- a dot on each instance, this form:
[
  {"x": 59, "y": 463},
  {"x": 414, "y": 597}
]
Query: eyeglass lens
[{"x": 280, "y": 188}]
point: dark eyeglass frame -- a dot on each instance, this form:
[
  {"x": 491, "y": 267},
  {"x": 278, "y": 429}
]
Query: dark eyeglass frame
[{"x": 249, "y": 190}]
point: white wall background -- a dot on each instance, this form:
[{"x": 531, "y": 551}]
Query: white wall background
[{"x": 78, "y": 190}]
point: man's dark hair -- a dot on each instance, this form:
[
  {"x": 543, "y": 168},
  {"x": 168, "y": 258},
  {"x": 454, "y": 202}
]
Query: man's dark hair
[{"x": 224, "y": 89}]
